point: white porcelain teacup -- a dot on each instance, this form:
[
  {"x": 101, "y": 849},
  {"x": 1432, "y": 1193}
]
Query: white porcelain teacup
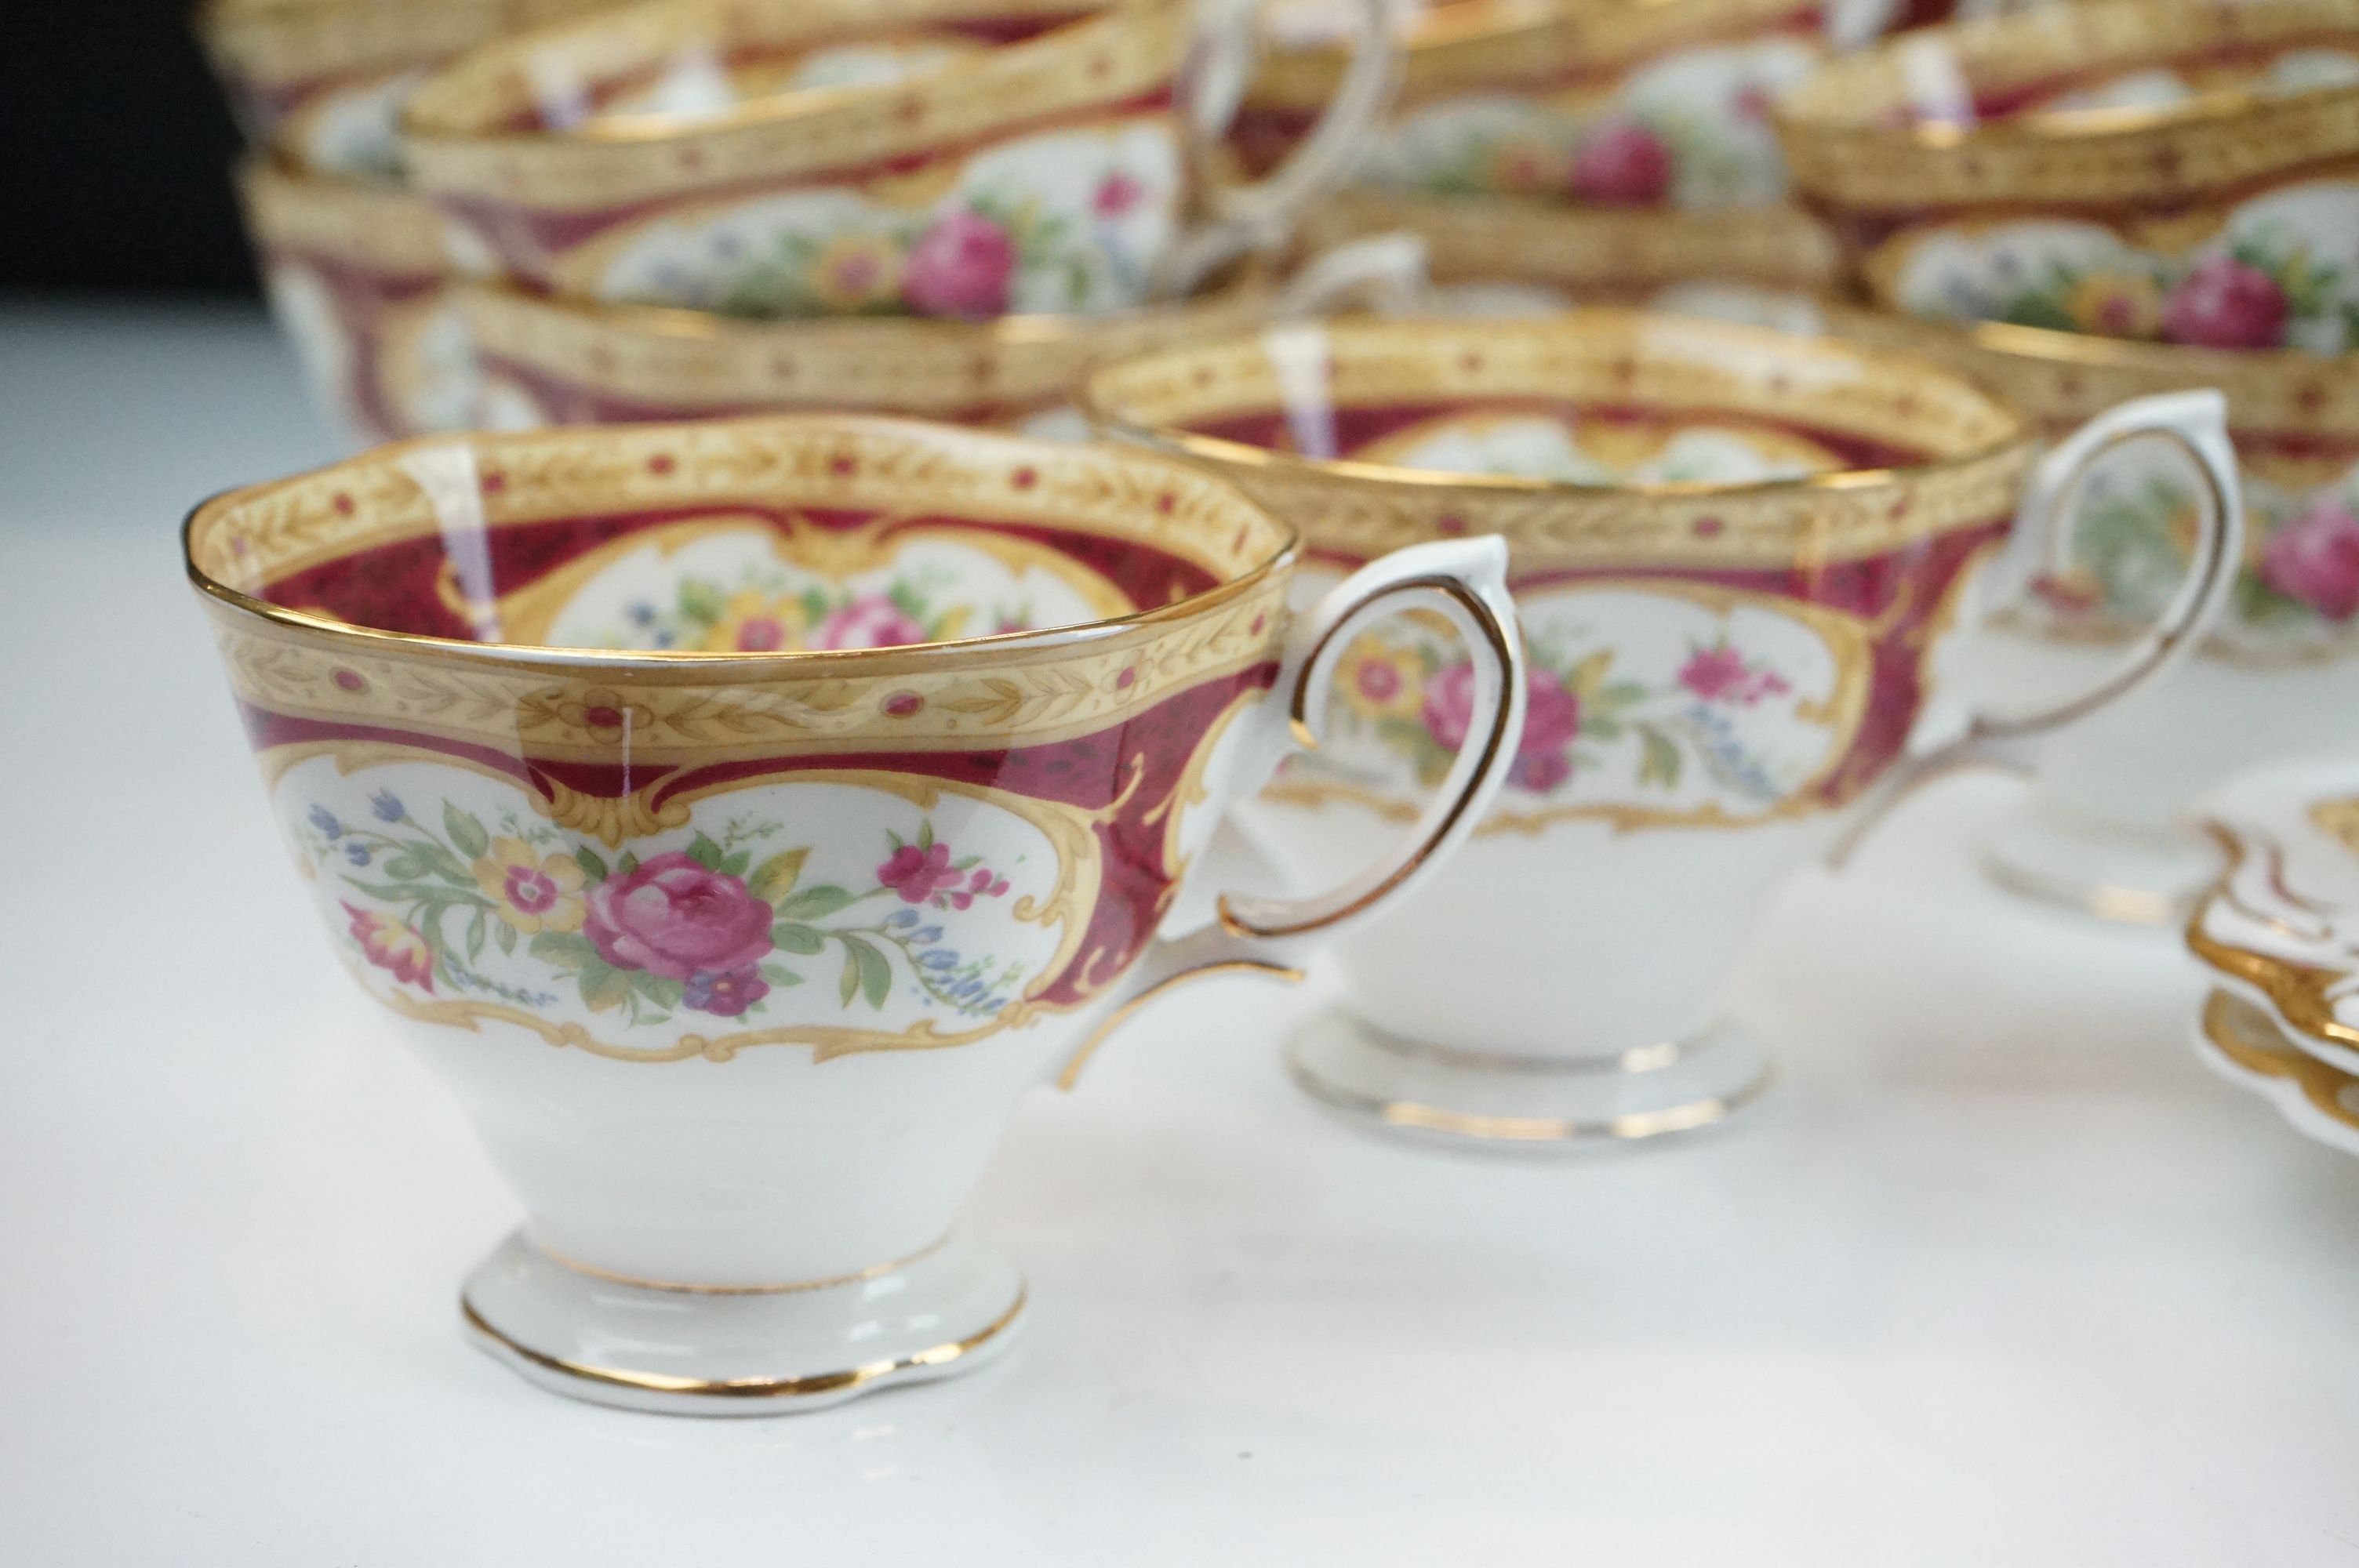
[
  {"x": 1733, "y": 550},
  {"x": 954, "y": 158},
  {"x": 741, "y": 815}
]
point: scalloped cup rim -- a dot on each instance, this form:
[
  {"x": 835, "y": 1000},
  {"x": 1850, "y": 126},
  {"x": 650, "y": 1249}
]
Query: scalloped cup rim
[
  {"x": 1794, "y": 112},
  {"x": 419, "y": 121},
  {"x": 1017, "y": 329},
  {"x": 1104, "y": 411},
  {"x": 722, "y": 664}
]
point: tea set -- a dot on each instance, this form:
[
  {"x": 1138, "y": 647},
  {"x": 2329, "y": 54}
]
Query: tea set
[{"x": 872, "y": 517}]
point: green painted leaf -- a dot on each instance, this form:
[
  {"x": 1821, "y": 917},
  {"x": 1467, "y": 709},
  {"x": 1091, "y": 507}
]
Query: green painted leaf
[
  {"x": 627, "y": 864},
  {"x": 661, "y": 990},
  {"x": 875, "y": 972},
  {"x": 506, "y": 936},
  {"x": 926, "y": 834},
  {"x": 477, "y": 936},
  {"x": 465, "y": 832},
  {"x": 604, "y": 986},
  {"x": 848, "y": 985},
  {"x": 735, "y": 865},
  {"x": 779, "y": 975},
  {"x": 702, "y": 601},
  {"x": 815, "y": 903},
  {"x": 404, "y": 868},
  {"x": 1658, "y": 760},
  {"x": 792, "y": 936},
  {"x": 704, "y": 852},
  {"x": 593, "y": 869},
  {"x": 563, "y": 951},
  {"x": 776, "y": 877},
  {"x": 442, "y": 863}
]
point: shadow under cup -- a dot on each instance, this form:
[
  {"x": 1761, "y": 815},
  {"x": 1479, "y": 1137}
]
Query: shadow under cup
[
  {"x": 717, "y": 808},
  {"x": 1732, "y": 554}
]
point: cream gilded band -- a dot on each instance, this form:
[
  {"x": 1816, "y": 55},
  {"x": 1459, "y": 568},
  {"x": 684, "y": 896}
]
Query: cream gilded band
[
  {"x": 1463, "y": 47},
  {"x": 380, "y": 228},
  {"x": 2056, "y": 378},
  {"x": 253, "y": 537},
  {"x": 687, "y": 359},
  {"x": 1359, "y": 511},
  {"x": 282, "y": 43},
  {"x": 939, "y": 696},
  {"x": 1843, "y": 147},
  {"x": 458, "y": 148},
  {"x": 1511, "y": 242}
]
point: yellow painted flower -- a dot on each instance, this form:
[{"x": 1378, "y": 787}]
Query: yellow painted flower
[
  {"x": 2116, "y": 305},
  {"x": 856, "y": 271},
  {"x": 754, "y": 623},
  {"x": 1382, "y": 680},
  {"x": 529, "y": 893}
]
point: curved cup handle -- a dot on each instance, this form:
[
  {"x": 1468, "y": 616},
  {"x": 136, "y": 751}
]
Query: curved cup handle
[
  {"x": 1465, "y": 582},
  {"x": 1384, "y": 272},
  {"x": 1259, "y": 217},
  {"x": 2195, "y": 422}
]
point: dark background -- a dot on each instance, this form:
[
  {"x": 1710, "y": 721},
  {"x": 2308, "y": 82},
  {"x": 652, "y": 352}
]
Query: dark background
[{"x": 115, "y": 153}]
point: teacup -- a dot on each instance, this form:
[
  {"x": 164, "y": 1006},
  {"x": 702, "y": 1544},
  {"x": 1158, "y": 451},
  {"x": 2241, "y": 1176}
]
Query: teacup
[
  {"x": 358, "y": 277},
  {"x": 321, "y": 82},
  {"x": 1733, "y": 550},
  {"x": 554, "y": 361},
  {"x": 2137, "y": 168},
  {"x": 2103, "y": 830},
  {"x": 1623, "y": 144},
  {"x": 742, "y": 815},
  {"x": 962, "y": 159}
]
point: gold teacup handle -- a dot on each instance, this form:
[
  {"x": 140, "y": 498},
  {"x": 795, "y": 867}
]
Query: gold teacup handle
[
  {"x": 1464, "y": 582},
  {"x": 2195, "y": 422},
  {"x": 1260, "y": 217}
]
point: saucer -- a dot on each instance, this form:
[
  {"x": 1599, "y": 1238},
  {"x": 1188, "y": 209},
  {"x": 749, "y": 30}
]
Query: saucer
[
  {"x": 2281, "y": 925},
  {"x": 2243, "y": 1044}
]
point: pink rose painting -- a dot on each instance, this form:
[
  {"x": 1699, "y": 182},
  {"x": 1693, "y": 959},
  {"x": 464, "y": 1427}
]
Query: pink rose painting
[
  {"x": 964, "y": 266},
  {"x": 1622, "y": 164},
  {"x": 2227, "y": 304},
  {"x": 673, "y": 917},
  {"x": 1721, "y": 675},
  {"x": 872, "y": 621},
  {"x": 1116, "y": 194},
  {"x": 1552, "y": 723},
  {"x": 2314, "y": 557},
  {"x": 923, "y": 873},
  {"x": 392, "y": 947}
]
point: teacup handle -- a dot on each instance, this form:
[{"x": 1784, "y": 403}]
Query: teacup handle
[
  {"x": 1259, "y": 217},
  {"x": 2197, "y": 423},
  {"x": 1464, "y": 582}
]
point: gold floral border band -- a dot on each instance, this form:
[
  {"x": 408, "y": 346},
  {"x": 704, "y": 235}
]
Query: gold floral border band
[
  {"x": 276, "y": 44},
  {"x": 560, "y": 703},
  {"x": 2062, "y": 378},
  {"x": 1842, "y": 148},
  {"x": 1475, "y": 44},
  {"x": 687, "y": 360},
  {"x": 459, "y": 147},
  {"x": 1500, "y": 239},
  {"x": 1360, "y": 510},
  {"x": 378, "y": 228}
]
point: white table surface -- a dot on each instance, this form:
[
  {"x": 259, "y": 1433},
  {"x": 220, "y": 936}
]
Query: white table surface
[{"x": 1998, "y": 1274}]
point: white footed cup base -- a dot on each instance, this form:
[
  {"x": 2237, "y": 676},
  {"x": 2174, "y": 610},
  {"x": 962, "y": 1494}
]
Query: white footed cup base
[
  {"x": 2136, "y": 876},
  {"x": 685, "y": 1351},
  {"x": 1523, "y": 1104}
]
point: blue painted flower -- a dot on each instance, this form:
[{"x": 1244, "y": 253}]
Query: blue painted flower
[
  {"x": 930, "y": 934},
  {"x": 902, "y": 918},
  {"x": 356, "y": 852},
  {"x": 940, "y": 958},
  {"x": 387, "y": 805},
  {"x": 325, "y": 821}
]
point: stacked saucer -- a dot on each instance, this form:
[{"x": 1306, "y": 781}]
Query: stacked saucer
[{"x": 2281, "y": 930}]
